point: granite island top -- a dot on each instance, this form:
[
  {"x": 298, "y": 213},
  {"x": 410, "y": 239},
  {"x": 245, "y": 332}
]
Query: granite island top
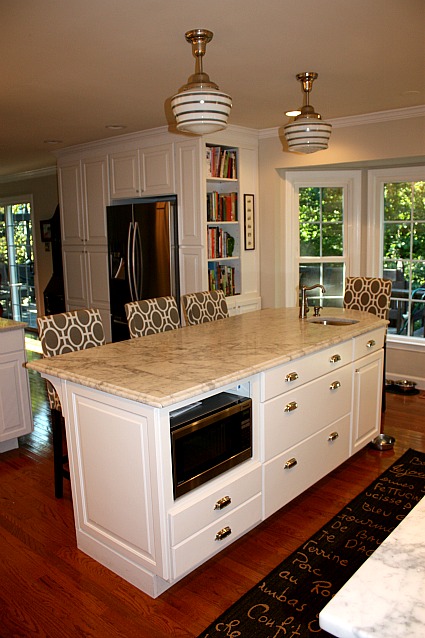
[
  {"x": 9, "y": 324},
  {"x": 385, "y": 598},
  {"x": 169, "y": 367}
]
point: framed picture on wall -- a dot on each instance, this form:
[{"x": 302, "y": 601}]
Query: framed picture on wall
[
  {"x": 249, "y": 222},
  {"x": 45, "y": 230}
]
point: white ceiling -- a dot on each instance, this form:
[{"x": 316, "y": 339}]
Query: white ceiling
[{"x": 69, "y": 68}]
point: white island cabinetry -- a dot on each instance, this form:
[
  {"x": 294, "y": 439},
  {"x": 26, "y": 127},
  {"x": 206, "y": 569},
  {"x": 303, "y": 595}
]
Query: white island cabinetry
[{"x": 118, "y": 398}]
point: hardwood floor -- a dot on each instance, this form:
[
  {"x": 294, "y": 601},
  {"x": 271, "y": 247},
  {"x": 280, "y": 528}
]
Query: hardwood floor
[{"x": 48, "y": 588}]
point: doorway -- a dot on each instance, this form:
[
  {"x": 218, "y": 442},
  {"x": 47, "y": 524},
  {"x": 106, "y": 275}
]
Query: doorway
[{"x": 17, "y": 289}]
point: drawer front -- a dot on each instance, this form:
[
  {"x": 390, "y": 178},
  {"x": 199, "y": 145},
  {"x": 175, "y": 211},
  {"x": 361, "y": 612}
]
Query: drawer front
[
  {"x": 296, "y": 415},
  {"x": 299, "y": 371},
  {"x": 198, "y": 548},
  {"x": 198, "y": 513},
  {"x": 12, "y": 341},
  {"x": 368, "y": 343},
  {"x": 286, "y": 476}
]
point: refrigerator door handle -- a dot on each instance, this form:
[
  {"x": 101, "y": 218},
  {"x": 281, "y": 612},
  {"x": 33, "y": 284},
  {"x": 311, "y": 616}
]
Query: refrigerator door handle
[
  {"x": 130, "y": 261},
  {"x": 138, "y": 275}
]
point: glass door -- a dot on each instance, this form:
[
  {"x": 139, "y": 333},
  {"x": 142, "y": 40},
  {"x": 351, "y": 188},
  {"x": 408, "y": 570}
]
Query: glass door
[{"x": 17, "y": 291}]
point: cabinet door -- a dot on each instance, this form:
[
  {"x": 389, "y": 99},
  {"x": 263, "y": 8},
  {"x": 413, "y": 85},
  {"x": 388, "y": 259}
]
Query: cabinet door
[
  {"x": 96, "y": 199},
  {"x": 15, "y": 410},
  {"x": 75, "y": 276},
  {"x": 124, "y": 174},
  {"x": 191, "y": 229},
  {"x": 71, "y": 203},
  {"x": 367, "y": 401},
  {"x": 157, "y": 170}
]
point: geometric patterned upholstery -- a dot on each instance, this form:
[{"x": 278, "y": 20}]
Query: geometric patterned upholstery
[
  {"x": 150, "y": 316},
  {"x": 69, "y": 332},
  {"x": 371, "y": 294},
  {"x": 201, "y": 307},
  {"x": 59, "y": 334}
]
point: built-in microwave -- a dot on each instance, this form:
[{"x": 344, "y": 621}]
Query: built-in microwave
[{"x": 208, "y": 438}]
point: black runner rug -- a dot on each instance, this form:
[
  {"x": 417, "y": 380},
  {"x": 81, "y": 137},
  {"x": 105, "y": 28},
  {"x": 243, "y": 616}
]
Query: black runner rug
[{"x": 286, "y": 604}]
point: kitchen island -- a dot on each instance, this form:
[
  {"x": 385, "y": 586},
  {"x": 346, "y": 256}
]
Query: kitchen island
[
  {"x": 15, "y": 402},
  {"x": 315, "y": 391}
]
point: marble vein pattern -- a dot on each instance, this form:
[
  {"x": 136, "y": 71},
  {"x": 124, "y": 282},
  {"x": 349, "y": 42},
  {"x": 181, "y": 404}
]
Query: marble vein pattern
[
  {"x": 165, "y": 368},
  {"x": 386, "y": 596},
  {"x": 9, "y": 324}
]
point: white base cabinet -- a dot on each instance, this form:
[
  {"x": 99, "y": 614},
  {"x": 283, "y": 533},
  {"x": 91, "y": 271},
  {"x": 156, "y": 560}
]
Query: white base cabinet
[{"x": 15, "y": 401}]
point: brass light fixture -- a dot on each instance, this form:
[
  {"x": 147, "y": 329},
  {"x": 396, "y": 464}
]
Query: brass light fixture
[
  {"x": 199, "y": 106},
  {"x": 307, "y": 133}
]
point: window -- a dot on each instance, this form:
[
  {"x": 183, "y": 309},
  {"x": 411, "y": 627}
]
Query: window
[
  {"x": 17, "y": 291},
  {"x": 323, "y": 221},
  {"x": 398, "y": 210}
]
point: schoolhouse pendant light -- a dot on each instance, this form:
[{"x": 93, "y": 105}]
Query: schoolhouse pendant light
[
  {"x": 307, "y": 133},
  {"x": 199, "y": 106}
]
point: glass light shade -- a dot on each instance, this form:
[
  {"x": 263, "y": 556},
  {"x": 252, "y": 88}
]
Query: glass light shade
[
  {"x": 201, "y": 111},
  {"x": 307, "y": 135}
]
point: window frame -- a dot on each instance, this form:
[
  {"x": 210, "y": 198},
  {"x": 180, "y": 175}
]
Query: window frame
[
  {"x": 375, "y": 220},
  {"x": 350, "y": 181}
]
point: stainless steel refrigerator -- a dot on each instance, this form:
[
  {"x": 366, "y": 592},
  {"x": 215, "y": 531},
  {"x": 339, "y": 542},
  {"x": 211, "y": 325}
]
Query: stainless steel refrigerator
[{"x": 143, "y": 256}]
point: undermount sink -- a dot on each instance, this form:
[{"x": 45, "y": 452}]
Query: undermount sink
[{"x": 333, "y": 321}]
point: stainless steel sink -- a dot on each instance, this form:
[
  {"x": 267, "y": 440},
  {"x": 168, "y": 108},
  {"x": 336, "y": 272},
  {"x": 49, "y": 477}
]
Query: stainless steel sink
[{"x": 333, "y": 321}]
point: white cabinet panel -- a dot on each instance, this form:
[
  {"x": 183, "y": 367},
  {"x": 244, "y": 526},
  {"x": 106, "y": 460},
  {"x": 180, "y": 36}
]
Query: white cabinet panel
[
  {"x": 367, "y": 399},
  {"x": 124, "y": 172},
  {"x": 15, "y": 402},
  {"x": 96, "y": 199},
  {"x": 157, "y": 170},
  {"x": 75, "y": 276},
  {"x": 71, "y": 203},
  {"x": 188, "y": 182},
  {"x": 191, "y": 261}
]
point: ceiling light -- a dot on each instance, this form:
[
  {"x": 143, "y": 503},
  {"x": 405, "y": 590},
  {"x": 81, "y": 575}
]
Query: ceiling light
[
  {"x": 115, "y": 127},
  {"x": 199, "y": 107},
  {"x": 307, "y": 133}
]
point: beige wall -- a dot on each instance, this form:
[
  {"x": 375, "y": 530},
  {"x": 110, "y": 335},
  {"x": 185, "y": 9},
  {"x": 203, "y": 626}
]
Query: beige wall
[
  {"x": 396, "y": 142},
  {"x": 44, "y": 191}
]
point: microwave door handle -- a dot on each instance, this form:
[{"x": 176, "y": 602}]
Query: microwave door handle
[
  {"x": 137, "y": 251},
  {"x": 129, "y": 260}
]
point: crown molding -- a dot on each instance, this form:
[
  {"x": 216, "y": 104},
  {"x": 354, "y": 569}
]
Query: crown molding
[
  {"x": 35, "y": 174},
  {"x": 360, "y": 120}
]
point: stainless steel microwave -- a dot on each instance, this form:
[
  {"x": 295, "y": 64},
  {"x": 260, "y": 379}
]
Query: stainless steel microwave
[{"x": 208, "y": 438}]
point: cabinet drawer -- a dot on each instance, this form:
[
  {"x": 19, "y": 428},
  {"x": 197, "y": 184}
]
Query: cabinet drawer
[
  {"x": 203, "y": 545},
  {"x": 367, "y": 343},
  {"x": 12, "y": 341},
  {"x": 300, "y": 413},
  {"x": 299, "y": 371},
  {"x": 200, "y": 512},
  {"x": 301, "y": 466}
]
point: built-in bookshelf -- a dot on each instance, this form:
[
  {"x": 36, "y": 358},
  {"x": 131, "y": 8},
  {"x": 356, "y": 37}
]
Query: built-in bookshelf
[{"x": 223, "y": 220}]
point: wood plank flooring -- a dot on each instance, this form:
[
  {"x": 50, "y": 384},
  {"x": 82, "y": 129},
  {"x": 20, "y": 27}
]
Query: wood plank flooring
[{"x": 48, "y": 588}]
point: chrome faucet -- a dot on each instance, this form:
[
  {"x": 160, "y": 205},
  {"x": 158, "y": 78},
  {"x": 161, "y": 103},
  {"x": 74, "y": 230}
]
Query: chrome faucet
[{"x": 304, "y": 301}]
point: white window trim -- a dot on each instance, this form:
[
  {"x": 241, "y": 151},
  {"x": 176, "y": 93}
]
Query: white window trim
[
  {"x": 351, "y": 182},
  {"x": 375, "y": 212}
]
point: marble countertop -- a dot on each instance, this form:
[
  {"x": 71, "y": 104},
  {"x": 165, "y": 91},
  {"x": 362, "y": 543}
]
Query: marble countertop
[
  {"x": 9, "y": 324},
  {"x": 386, "y": 596},
  {"x": 166, "y": 368}
]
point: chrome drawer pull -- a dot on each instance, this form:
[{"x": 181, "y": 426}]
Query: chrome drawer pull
[
  {"x": 222, "y": 502},
  {"x": 291, "y": 376},
  {"x": 223, "y": 533},
  {"x": 335, "y": 385},
  {"x": 290, "y": 407},
  {"x": 332, "y": 436},
  {"x": 335, "y": 358},
  {"x": 371, "y": 343},
  {"x": 291, "y": 463}
]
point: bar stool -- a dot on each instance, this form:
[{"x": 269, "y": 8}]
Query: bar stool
[
  {"x": 59, "y": 334},
  {"x": 201, "y": 307},
  {"x": 150, "y": 316},
  {"x": 370, "y": 294}
]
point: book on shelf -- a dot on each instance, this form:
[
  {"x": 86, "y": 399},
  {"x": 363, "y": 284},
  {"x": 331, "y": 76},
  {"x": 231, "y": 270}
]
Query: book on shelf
[
  {"x": 220, "y": 243},
  {"x": 221, "y": 162},
  {"x": 222, "y": 207},
  {"x": 222, "y": 277}
]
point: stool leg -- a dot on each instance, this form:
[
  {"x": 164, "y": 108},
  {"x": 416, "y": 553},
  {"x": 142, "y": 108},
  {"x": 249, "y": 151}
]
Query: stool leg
[{"x": 57, "y": 452}]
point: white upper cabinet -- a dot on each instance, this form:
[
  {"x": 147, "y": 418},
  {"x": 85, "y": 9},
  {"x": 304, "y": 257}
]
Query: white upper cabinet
[{"x": 142, "y": 172}]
